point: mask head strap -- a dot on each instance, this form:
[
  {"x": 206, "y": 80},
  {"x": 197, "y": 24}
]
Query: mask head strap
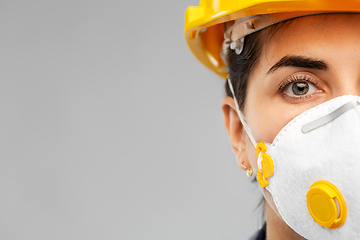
[{"x": 241, "y": 116}]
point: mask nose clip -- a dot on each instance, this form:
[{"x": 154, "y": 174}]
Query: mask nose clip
[{"x": 265, "y": 165}]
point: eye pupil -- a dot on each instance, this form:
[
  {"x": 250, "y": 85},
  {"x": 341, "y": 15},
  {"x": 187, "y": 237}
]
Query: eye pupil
[{"x": 300, "y": 88}]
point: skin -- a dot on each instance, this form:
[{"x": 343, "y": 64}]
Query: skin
[{"x": 331, "y": 39}]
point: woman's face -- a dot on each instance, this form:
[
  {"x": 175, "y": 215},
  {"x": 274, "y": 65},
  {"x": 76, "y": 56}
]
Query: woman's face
[
  {"x": 307, "y": 62},
  {"x": 310, "y": 61}
]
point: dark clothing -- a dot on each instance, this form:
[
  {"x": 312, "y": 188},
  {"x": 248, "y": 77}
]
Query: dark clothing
[{"x": 260, "y": 234}]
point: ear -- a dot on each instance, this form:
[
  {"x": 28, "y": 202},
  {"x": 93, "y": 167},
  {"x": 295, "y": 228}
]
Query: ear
[{"x": 235, "y": 131}]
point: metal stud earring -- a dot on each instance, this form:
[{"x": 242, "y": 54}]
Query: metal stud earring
[{"x": 249, "y": 171}]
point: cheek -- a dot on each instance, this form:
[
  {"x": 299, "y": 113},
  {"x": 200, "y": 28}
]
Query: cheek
[
  {"x": 266, "y": 117},
  {"x": 266, "y": 126},
  {"x": 267, "y": 122}
]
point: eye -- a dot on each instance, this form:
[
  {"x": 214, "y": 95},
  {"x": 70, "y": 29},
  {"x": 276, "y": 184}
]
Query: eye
[{"x": 300, "y": 88}]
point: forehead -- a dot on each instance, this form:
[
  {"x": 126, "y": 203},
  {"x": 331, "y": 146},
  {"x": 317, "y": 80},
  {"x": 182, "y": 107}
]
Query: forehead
[{"x": 314, "y": 36}]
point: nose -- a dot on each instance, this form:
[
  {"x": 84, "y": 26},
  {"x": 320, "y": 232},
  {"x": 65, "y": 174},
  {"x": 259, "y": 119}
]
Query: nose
[{"x": 347, "y": 86}]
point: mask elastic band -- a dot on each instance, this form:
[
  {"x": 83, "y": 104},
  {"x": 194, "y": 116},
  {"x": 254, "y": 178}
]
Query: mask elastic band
[
  {"x": 259, "y": 162},
  {"x": 241, "y": 116}
]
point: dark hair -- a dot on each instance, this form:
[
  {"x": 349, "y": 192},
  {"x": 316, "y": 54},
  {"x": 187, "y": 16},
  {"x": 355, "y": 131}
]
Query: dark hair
[{"x": 241, "y": 66}]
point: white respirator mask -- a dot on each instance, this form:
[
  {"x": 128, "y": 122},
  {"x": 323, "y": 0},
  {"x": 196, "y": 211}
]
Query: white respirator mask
[{"x": 312, "y": 170}]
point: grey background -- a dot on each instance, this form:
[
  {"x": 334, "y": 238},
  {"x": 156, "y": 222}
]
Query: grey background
[{"x": 111, "y": 129}]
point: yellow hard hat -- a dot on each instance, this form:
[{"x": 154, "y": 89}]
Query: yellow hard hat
[{"x": 204, "y": 24}]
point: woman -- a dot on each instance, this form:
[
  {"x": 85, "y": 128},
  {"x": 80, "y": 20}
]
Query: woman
[{"x": 293, "y": 67}]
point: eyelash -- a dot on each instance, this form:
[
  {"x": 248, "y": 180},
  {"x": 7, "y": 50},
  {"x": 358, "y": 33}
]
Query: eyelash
[{"x": 293, "y": 79}]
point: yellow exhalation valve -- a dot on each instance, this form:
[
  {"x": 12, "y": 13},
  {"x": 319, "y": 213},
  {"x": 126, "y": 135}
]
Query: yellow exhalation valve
[{"x": 326, "y": 205}]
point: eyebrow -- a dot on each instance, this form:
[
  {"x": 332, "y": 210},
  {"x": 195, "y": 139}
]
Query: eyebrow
[{"x": 298, "y": 61}]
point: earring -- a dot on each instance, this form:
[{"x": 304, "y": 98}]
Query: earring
[{"x": 249, "y": 171}]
